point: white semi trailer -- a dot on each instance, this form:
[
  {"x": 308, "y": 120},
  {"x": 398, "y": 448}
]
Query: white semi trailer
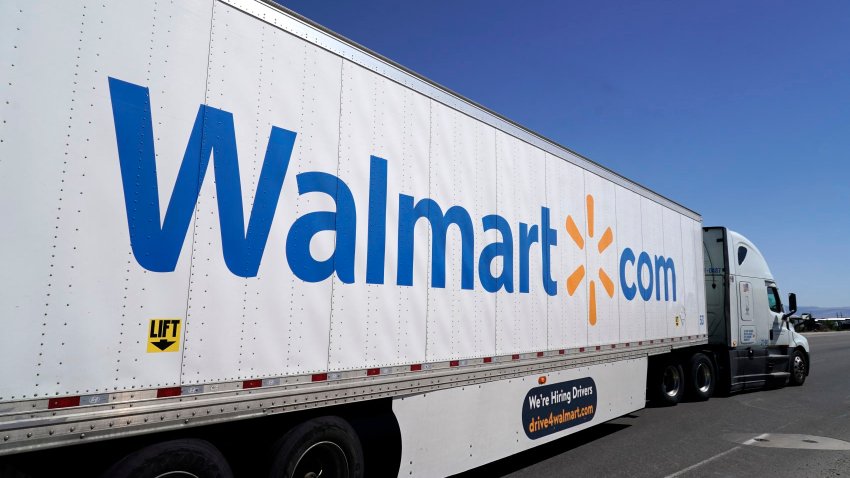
[{"x": 236, "y": 242}]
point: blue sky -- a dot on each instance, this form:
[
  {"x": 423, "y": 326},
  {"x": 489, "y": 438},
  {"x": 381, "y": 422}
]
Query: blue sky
[{"x": 737, "y": 110}]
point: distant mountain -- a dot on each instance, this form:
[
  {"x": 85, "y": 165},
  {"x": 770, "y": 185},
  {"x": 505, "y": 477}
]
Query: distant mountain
[{"x": 824, "y": 312}]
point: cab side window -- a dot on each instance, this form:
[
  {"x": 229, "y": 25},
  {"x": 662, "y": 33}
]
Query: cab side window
[{"x": 773, "y": 299}]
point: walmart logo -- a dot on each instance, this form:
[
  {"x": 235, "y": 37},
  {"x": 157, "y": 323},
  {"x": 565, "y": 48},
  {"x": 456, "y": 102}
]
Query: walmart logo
[
  {"x": 157, "y": 239},
  {"x": 643, "y": 273},
  {"x": 577, "y": 276}
]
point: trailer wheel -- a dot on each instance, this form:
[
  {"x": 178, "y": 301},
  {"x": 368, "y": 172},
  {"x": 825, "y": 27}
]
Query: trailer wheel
[
  {"x": 700, "y": 377},
  {"x": 185, "y": 458},
  {"x": 325, "y": 446},
  {"x": 799, "y": 368},
  {"x": 668, "y": 383},
  {"x": 8, "y": 471}
]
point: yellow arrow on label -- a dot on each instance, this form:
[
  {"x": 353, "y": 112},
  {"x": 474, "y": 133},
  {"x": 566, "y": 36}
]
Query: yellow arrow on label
[{"x": 164, "y": 335}]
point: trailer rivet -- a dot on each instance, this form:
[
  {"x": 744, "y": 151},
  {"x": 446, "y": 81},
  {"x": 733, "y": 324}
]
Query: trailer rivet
[
  {"x": 6, "y": 438},
  {"x": 73, "y": 428},
  {"x": 186, "y": 421},
  {"x": 91, "y": 427},
  {"x": 50, "y": 432},
  {"x": 129, "y": 421},
  {"x": 29, "y": 435},
  {"x": 82, "y": 435}
]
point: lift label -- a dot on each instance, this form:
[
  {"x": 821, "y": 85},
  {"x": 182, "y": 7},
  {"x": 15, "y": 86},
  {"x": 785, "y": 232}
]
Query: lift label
[
  {"x": 164, "y": 335},
  {"x": 552, "y": 408}
]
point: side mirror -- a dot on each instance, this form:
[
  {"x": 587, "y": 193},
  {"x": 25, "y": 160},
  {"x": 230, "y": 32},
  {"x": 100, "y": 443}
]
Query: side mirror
[{"x": 792, "y": 305}]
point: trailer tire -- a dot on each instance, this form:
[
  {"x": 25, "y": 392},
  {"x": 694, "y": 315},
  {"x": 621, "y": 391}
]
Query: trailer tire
[
  {"x": 799, "y": 369},
  {"x": 177, "y": 458},
  {"x": 668, "y": 384},
  {"x": 701, "y": 377},
  {"x": 326, "y": 446},
  {"x": 8, "y": 471}
]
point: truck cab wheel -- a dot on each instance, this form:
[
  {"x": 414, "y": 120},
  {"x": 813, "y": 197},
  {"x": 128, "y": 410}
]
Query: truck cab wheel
[
  {"x": 325, "y": 446},
  {"x": 185, "y": 458},
  {"x": 799, "y": 368},
  {"x": 668, "y": 384},
  {"x": 701, "y": 377}
]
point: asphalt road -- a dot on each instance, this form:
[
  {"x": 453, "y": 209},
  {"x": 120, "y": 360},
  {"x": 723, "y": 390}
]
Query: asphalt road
[{"x": 793, "y": 431}]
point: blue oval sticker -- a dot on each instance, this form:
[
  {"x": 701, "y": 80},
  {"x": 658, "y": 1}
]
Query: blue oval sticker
[{"x": 552, "y": 408}]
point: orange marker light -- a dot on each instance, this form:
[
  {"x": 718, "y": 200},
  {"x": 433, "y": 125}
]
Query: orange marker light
[{"x": 541, "y": 380}]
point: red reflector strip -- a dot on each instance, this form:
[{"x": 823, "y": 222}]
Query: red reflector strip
[
  {"x": 454, "y": 363},
  {"x": 488, "y": 359},
  {"x": 581, "y": 349},
  {"x": 539, "y": 354},
  {"x": 63, "y": 402},
  {"x": 640, "y": 343},
  {"x": 168, "y": 392},
  {"x": 613, "y": 346},
  {"x": 319, "y": 377},
  {"x": 515, "y": 357},
  {"x": 416, "y": 367},
  {"x": 562, "y": 352},
  {"x": 252, "y": 383},
  {"x": 598, "y": 348},
  {"x": 373, "y": 371}
]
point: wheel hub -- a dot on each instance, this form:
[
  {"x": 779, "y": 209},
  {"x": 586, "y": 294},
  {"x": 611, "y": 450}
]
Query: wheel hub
[
  {"x": 672, "y": 381},
  {"x": 323, "y": 459}
]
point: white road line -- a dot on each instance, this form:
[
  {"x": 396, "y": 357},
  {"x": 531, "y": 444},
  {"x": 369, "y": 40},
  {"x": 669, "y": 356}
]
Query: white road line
[
  {"x": 703, "y": 462},
  {"x": 755, "y": 439}
]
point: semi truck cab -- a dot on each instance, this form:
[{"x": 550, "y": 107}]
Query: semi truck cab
[{"x": 748, "y": 324}]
